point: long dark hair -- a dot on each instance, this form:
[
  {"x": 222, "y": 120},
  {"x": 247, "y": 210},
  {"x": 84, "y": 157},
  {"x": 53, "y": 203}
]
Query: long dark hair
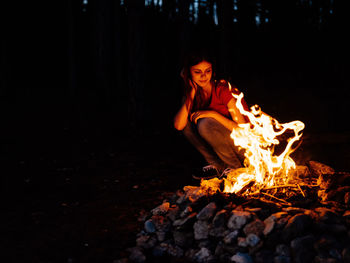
[{"x": 193, "y": 58}]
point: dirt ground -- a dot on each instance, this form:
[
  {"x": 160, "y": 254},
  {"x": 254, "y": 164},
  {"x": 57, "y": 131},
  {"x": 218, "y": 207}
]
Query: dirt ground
[{"x": 74, "y": 193}]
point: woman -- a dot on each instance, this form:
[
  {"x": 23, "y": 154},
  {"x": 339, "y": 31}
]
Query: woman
[{"x": 208, "y": 115}]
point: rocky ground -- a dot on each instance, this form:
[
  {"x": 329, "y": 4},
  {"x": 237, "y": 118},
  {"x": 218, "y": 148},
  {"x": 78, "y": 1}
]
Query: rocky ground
[{"x": 76, "y": 193}]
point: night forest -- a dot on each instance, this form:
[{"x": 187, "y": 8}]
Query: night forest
[{"x": 89, "y": 90}]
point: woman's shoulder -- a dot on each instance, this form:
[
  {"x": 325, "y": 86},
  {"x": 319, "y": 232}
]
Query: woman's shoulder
[
  {"x": 221, "y": 83},
  {"x": 224, "y": 84}
]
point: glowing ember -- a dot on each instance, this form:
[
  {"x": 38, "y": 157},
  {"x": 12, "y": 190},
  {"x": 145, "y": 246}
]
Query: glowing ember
[{"x": 263, "y": 166}]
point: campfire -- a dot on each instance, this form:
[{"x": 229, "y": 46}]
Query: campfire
[
  {"x": 265, "y": 169},
  {"x": 270, "y": 210}
]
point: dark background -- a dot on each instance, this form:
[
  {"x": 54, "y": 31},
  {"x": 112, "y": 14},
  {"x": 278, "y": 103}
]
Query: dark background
[
  {"x": 89, "y": 90},
  {"x": 121, "y": 60}
]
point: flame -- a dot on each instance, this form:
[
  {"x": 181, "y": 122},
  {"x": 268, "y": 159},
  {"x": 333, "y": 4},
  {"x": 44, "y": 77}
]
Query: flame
[{"x": 259, "y": 137}]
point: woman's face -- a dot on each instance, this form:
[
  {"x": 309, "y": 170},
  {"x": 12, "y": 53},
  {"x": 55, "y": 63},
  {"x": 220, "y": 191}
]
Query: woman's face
[{"x": 202, "y": 73}]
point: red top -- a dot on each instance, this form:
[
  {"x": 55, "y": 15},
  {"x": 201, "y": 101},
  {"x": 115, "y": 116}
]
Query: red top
[{"x": 221, "y": 95}]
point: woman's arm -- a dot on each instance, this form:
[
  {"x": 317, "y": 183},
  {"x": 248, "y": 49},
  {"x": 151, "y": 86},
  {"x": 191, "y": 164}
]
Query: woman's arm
[
  {"x": 229, "y": 124},
  {"x": 237, "y": 117},
  {"x": 235, "y": 113}
]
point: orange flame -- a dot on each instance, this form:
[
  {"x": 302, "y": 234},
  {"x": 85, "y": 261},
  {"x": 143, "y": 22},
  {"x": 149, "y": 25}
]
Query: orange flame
[{"x": 258, "y": 138}]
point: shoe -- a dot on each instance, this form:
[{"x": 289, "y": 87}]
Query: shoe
[{"x": 206, "y": 173}]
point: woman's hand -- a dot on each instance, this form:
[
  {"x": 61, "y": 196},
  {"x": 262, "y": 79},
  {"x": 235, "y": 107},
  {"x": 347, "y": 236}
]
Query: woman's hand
[
  {"x": 195, "y": 116},
  {"x": 194, "y": 88}
]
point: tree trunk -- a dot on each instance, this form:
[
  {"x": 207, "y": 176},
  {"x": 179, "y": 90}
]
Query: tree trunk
[
  {"x": 104, "y": 40},
  {"x": 71, "y": 17},
  {"x": 225, "y": 18},
  {"x": 135, "y": 62}
]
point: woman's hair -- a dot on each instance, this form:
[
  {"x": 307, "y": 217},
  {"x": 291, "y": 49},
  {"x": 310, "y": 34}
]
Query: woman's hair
[{"x": 194, "y": 58}]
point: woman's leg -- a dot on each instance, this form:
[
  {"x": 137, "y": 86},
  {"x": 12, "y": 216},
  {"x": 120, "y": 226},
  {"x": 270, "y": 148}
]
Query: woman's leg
[
  {"x": 191, "y": 133},
  {"x": 218, "y": 137}
]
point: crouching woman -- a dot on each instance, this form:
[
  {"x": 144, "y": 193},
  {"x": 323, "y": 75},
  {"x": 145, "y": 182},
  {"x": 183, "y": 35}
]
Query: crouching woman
[{"x": 208, "y": 115}]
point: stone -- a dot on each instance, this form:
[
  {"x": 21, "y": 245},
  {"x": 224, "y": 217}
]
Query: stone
[
  {"x": 193, "y": 193},
  {"x": 302, "y": 171},
  {"x": 181, "y": 200},
  {"x": 269, "y": 225},
  {"x": 346, "y": 216},
  {"x": 185, "y": 223},
  {"x": 159, "y": 251},
  {"x": 337, "y": 229},
  {"x": 346, "y": 254},
  {"x": 171, "y": 250},
  {"x": 161, "y": 235},
  {"x": 172, "y": 199},
  {"x": 270, "y": 222},
  {"x": 232, "y": 249},
  {"x": 161, "y": 209},
  {"x": 217, "y": 231},
  {"x": 161, "y": 223},
  {"x": 201, "y": 230},
  {"x": 281, "y": 259},
  {"x": 231, "y": 237},
  {"x": 146, "y": 242},
  {"x": 319, "y": 259},
  {"x": 296, "y": 226},
  {"x": 334, "y": 229},
  {"x": 324, "y": 243},
  {"x": 319, "y": 168},
  {"x": 143, "y": 215},
  {"x": 205, "y": 243},
  {"x": 183, "y": 239},
  {"x": 174, "y": 251},
  {"x": 187, "y": 211},
  {"x": 300, "y": 243},
  {"x": 136, "y": 255},
  {"x": 242, "y": 242},
  {"x": 219, "y": 219},
  {"x": 224, "y": 257},
  {"x": 252, "y": 240},
  {"x": 219, "y": 248},
  {"x": 347, "y": 198},
  {"x": 302, "y": 249},
  {"x": 241, "y": 258},
  {"x": 253, "y": 249},
  {"x": 255, "y": 227},
  {"x": 230, "y": 206},
  {"x": 207, "y": 212},
  {"x": 181, "y": 197},
  {"x": 283, "y": 250},
  {"x": 238, "y": 219},
  {"x": 337, "y": 194},
  {"x": 149, "y": 226},
  {"x": 293, "y": 210},
  {"x": 304, "y": 257},
  {"x": 204, "y": 255},
  {"x": 264, "y": 256},
  {"x": 179, "y": 193},
  {"x": 173, "y": 213},
  {"x": 253, "y": 210},
  {"x": 312, "y": 214},
  {"x": 335, "y": 253},
  {"x": 281, "y": 222},
  {"x": 121, "y": 260},
  {"x": 190, "y": 254}
]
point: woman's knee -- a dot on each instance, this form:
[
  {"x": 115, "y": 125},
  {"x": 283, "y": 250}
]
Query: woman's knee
[
  {"x": 205, "y": 126},
  {"x": 210, "y": 129}
]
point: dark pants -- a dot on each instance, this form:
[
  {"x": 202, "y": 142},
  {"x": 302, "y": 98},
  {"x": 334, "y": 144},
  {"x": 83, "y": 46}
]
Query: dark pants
[{"x": 213, "y": 141}]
